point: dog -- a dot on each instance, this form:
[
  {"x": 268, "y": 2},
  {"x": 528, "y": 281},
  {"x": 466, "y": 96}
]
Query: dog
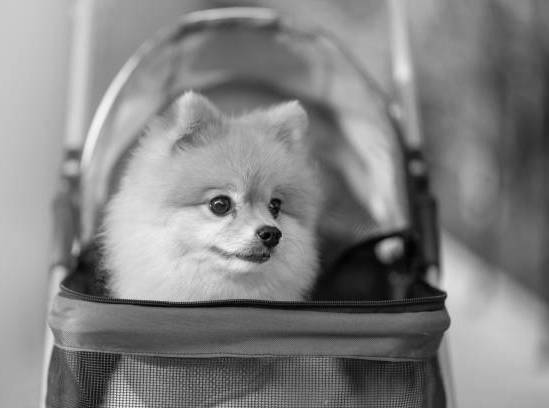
[
  {"x": 215, "y": 207},
  {"x": 211, "y": 207}
]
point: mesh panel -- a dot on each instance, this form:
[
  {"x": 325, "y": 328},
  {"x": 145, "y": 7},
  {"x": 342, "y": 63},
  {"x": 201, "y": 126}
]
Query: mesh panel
[{"x": 91, "y": 379}]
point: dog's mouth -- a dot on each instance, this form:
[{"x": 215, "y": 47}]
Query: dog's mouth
[{"x": 249, "y": 256}]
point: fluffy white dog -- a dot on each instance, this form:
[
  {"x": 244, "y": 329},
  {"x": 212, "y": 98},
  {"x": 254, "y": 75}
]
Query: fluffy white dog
[{"x": 215, "y": 207}]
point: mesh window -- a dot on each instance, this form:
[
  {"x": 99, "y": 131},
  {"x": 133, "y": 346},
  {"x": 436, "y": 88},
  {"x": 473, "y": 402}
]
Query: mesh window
[{"x": 91, "y": 379}]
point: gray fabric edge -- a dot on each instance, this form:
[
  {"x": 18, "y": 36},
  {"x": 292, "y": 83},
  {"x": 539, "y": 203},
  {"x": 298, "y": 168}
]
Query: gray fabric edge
[
  {"x": 244, "y": 355},
  {"x": 244, "y": 332}
]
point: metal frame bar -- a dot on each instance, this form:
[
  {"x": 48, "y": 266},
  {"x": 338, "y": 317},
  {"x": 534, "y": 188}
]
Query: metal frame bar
[{"x": 407, "y": 114}]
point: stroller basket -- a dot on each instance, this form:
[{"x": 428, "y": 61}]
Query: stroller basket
[
  {"x": 369, "y": 336},
  {"x": 247, "y": 354}
]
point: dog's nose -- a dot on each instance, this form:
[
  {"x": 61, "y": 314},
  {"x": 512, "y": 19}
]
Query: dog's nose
[{"x": 269, "y": 236}]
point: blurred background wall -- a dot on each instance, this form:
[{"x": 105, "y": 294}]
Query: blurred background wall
[
  {"x": 34, "y": 42},
  {"x": 483, "y": 87}
]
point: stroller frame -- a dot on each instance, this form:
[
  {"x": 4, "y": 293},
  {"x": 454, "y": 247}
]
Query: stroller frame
[{"x": 402, "y": 110}]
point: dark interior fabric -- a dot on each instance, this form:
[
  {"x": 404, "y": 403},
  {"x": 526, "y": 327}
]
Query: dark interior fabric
[{"x": 357, "y": 273}]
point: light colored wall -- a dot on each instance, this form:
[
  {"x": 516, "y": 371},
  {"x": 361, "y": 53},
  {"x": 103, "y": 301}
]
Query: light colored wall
[{"x": 34, "y": 39}]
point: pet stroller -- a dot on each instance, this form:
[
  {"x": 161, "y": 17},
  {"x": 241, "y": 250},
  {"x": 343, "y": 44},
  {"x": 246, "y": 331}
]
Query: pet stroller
[{"x": 369, "y": 336}]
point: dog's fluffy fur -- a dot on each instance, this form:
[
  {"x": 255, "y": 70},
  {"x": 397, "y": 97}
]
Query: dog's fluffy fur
[{"x": 162, "y": 241}]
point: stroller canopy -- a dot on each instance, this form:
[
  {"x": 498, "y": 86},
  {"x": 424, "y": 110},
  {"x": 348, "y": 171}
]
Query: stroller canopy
[{"x": 241, "y": 59}]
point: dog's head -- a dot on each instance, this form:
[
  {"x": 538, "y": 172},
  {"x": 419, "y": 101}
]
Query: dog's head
[{"x": 236, "y": 195}]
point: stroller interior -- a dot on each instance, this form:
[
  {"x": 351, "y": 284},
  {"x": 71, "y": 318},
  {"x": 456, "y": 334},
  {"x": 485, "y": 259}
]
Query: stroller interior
[{"x": 369, "y": 333}]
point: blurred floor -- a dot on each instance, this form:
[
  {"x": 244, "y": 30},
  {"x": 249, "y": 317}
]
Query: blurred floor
[{"x": 499, "y": 337}]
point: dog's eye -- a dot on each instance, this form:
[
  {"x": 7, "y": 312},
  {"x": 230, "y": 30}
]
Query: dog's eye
[
  {"x": 220, "y": 205},
  {"x": 274, "y": 207}
]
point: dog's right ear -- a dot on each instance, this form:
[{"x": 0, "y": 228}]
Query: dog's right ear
[
  {"x": 288, "y": 122},
  {"x": 188, "y": 119}
]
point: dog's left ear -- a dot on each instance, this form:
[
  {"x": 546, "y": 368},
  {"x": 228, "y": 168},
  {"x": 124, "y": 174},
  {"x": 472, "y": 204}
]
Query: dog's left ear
[{"x": 289, "y": 122}]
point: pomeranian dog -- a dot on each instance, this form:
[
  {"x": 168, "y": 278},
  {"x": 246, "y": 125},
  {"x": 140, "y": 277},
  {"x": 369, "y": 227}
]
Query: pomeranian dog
[
  {"x": 215, "y": 207},
  {"x": 211, "y": 207}
]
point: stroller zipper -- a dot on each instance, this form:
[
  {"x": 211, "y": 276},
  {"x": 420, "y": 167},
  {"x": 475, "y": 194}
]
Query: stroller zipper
[{"x": 434, "y": 302}]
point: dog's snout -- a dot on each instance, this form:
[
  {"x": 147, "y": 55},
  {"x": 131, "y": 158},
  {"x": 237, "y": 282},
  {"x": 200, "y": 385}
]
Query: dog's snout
[{"x": 270, "y": 236}]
